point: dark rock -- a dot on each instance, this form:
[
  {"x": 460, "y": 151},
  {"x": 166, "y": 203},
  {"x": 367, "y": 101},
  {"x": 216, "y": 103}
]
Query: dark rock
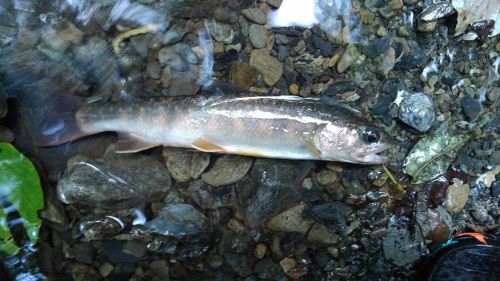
[
  {"x": 267, "y": 269},
  {"x": 340, "y": 87},
  {"x": 495, "y": 188},
  {"x": 101, "y": 227},
  {"x": 377, "y": 46},
  {"x": 276, "y": 190},
  {"x": 471, "y": 107},
  {"x": 331, "y": 214},
  {"x": 225, "y": 15},
  {"x": 393, "y": 86},
  {"x": 239, "y": 263},
  {"x": 125, "y": 180},
  {"x": 208, "y": 197},
  {"x": 403, "y": 243},
  {"x": 114, "y": 251},
  {"x": 178, "y": 220},
  {"x": 382, "y": 109},
  {"x": 283, "y": 53}
]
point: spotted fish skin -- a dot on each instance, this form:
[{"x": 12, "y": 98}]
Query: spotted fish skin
[{"x": 263, "y": 126}]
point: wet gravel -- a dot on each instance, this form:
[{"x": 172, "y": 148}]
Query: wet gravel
[{"x": 174, "y": 214}]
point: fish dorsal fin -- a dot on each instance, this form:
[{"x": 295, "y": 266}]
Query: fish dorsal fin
[
  {"x": 130, "y": 143},
  {"x": 205, "y": 145}
]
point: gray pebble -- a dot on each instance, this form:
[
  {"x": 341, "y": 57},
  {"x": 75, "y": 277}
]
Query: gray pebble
[
  {"x": 227, "y": 169},
  {"x": 255, "y": 14},
  {"x": 258, "y": 35},
  {"x": 178, "y": 220},
  {"x": 417, "y": 111}
]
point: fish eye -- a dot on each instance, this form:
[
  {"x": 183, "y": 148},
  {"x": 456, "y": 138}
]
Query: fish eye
[{"x": 370, "y": 136}]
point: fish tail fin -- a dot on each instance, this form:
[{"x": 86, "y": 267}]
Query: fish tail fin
[{"x": 59, "y": 123}]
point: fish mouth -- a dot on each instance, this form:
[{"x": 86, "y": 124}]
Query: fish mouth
[{"x": 373, "y": 154}]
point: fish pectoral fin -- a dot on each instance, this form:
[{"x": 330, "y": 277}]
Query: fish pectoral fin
[
  {"x": 129, "y": 143},
  {"x": 205, "y": 145}
]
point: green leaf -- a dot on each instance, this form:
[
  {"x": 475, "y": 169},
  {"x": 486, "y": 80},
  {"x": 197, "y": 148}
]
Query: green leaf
[
  {"x": 20, "y": 184},
  {"x": 432, "y": 156}
]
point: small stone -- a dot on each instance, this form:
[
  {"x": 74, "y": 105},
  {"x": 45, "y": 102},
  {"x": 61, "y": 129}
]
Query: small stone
[
  {"x": 236, "y": 226},
  {"x": 274, "y": 3},
  {"x": 199, "y": 162},
  {"x": 293, "y": 89},
  {"x": 426, "y": 26},
  {"x": 435, "y": 223},
  {"x": 349, "y": 56},
  {"x": 388, "y": 61},
  {"x": 113, "y": 181},
  {"x": 221, "y": 32},
  {"x": 471, "y": 107},
  {"x": 331, "y": 214},
  {"x": 457, "y": 195},
  {"x": 288, "y": 264},
  {"x": 105, "y": 269},
  {"x": 6, "y": 135},
  {"x": 255, "y": 14},
  {"x": 378, "y": 233},
  {"x": 166, "y": 77},
  {"x": 300, "y": 48},
  {"x": 283, "y": 53},
  {"x": 321, "y": 234},
  {"x": 178, "y": 220},
  {"x": 160, "y": 270},
  {"x": 100, "y": 228},
  {"x": 81, "y": 272},
  {"x": 326, "y": 177},
  {"x": 290, "y": 220},
  {"x": 154, "y": 70},
  {"x": 135, "y": 248},
  {"x": 227, "y": 169},
  {"x": 381, "y": 31},
  {"x": 281, "y": 39},
  {"x": 260, "y": 251},
  {"x": 225, "y": 15},
  {"x": 403, "y": 243},
  {"x": 333, "y": 60},
  {"x": 208, "y": 197},
  {"x": 417, "y": 111},
  {"x": 270, "y": 68},
  {"x": 258, "y": 35},
  {"x": 432, "y": 81},
  {"x": 242, "y": 75},
  {"x": 178, "y": 162}
]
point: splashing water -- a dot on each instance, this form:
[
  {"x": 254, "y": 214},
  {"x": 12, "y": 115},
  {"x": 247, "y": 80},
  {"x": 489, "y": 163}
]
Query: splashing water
[{"x": 307, "y": 13}]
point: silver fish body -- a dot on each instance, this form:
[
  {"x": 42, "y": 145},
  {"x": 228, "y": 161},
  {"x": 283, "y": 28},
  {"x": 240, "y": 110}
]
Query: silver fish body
[{"x": 287, "y": 127}]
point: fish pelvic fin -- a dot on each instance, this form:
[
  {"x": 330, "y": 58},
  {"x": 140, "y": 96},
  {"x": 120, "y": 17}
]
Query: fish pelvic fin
[
  {"x": 130, "y": 143},
  {"x": 205, "y": 145}
]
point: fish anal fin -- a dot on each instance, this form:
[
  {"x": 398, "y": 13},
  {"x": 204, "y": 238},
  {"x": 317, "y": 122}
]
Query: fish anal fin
[
  {"x": 205, "y": 145},
  {"x": 129, "y": 143}
]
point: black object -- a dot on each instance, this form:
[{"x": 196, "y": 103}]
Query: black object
[{"x": 467, "y": 257}]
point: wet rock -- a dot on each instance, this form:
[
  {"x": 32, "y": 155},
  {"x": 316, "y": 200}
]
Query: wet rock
[
  {"x": 457, "y": 195},
  {"x": 174, "y": 34},
  {"x": 134, "y": 248},
  {"x": 141, "y": 44},
  {"x": 291, "y": 220},
  {"x": 242, "y": 75},
  {"x": 270, "y": 68},
  {"x": 99, "y": 228},
  {"x": 81, "y": 252},
  {"x": 153, "y": 69},
  {"x": 348, "y": 58},
  {"x": 426, "y": 26},
  {"x": 287, "y": 264},
  {"x": 403, "y": 243},
  {"x": 8, "y": 34},
  {"x": 227, "y": 169},
  {"x": 326, "y": 177},
  {"x": 377, "y": 46},
  {"x": 178, "y": 163},
  {"x": 255, "y": 15},
  {"x": 225, "y": 15},
  {"x": 208, "y": 197},
  {"x": 436, "y": 224},
  {"x": 275, "y": 191},
  {"x": 239, "y": 263},
  {"x": 387, "y": 63},
  {"x": 105, "y": 269},
  {"x": 114, "y": 251},
  {"x": 221, "y": 32},
  {"x": 258, "y": 35},
  {"x": 471, "y": 107},
  {"x": 199, "y": 162},
  {"x": 267, "y": 269},
  {"x": 178, "y": 220},
  {"x": 117, "y": 180},
  {"x": 274, "y": 3},
  {"x": 160, "y": 269},
  {"x": 321, "y": 234},
  {"x": 281, "y": 39},
  {"x": 81, "y": 272},
  {"x": 283, "y": 53},
  {"x": 417, "y": 111},
  {"x": 260, "y": 251},
  {"x": 6, "y": 135},
  {"x": 331, "y": 214}
]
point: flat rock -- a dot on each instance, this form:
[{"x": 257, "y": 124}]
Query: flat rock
[
  {"x": 270, "y": 67},
  {"x": 178, "y": 220},
  {"x": 227, "y": 169},
  {"x": 258, "y": 35},
  {"x": 117, "y": 180},
  {"x": 291, "y": 220},
  {"x": 255, "y": 15}
]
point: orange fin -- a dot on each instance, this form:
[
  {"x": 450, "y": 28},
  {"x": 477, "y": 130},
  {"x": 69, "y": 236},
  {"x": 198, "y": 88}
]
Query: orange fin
[
  {"x": 205, "y": 145},
  {"x": 129, "y": 143},
  {"x": 478, "y": 236}
]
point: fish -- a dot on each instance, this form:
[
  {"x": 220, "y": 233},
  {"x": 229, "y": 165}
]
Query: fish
[{"x": 283, "y": 127}]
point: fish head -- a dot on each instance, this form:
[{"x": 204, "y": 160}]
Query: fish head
[{"x": 352, "y": 143}]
